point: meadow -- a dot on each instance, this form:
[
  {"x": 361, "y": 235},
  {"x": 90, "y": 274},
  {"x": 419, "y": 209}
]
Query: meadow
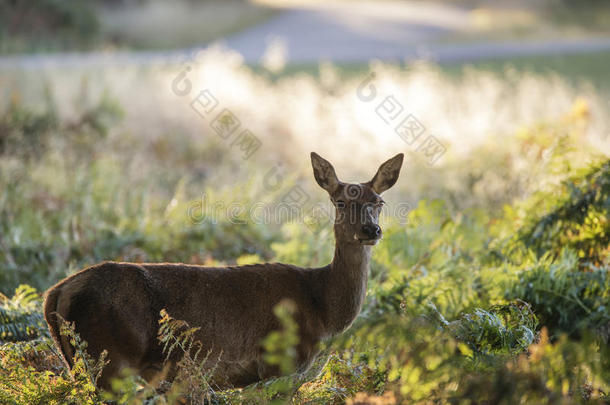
[{"x": 491, "y": 284}]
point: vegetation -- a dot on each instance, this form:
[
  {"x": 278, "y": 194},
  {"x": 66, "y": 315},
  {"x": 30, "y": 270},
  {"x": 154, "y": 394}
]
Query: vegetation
[{"x": 493, "y": 289}]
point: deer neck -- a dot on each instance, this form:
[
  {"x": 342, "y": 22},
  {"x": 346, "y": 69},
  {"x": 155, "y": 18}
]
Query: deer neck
[{"x": 345, "y": 288}]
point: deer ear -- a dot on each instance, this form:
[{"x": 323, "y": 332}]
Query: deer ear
[
  {"x": 387, "y": 174},
  {"x": 324, "y": 173}
]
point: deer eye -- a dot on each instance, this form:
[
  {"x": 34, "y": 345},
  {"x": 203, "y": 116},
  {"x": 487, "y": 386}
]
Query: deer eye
[{"x": 340, "y": 204}]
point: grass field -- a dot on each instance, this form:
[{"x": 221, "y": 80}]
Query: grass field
[
  {"x": 577, "y": 69},
  {"x": 491, "y": 283}
]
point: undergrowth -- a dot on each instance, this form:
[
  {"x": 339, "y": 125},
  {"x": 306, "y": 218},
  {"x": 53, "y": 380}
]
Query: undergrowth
[{"x": 497, "y": 300}]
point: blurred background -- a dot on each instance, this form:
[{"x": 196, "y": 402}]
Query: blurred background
[
  {"x": 112, "y": 96},
  {"x": 123, "y": 121}
]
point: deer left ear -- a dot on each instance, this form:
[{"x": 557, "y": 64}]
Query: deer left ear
[
  {"x": 387, "y": 175},
  {"x": 324, "y": 173}
]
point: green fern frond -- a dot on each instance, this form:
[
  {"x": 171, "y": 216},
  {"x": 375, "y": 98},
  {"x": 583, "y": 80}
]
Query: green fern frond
[{"x": 21, "y": 316}]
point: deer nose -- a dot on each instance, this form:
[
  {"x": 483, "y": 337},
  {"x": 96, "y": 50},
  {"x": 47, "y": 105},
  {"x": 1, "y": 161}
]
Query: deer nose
[{"x": 371, "y": 231}]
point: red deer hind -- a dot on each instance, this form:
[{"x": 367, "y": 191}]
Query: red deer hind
[{"x": 115, "y": 306}]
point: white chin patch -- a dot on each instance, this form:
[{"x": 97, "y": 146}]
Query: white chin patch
[{"x": 369, "y": 242}]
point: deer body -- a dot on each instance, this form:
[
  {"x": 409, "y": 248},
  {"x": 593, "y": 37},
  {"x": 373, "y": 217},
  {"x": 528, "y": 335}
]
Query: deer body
[{"x": 115, "y": 306}]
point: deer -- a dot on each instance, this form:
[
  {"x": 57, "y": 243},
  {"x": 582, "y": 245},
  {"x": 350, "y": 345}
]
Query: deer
[{"x": 115, "y": 306}]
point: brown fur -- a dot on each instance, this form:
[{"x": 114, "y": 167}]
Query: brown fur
[{"x": 115, "y": 306}]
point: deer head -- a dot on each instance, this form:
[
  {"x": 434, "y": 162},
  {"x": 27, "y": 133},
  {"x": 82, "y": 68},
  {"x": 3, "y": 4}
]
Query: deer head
[{"x": 357, "y": 205}]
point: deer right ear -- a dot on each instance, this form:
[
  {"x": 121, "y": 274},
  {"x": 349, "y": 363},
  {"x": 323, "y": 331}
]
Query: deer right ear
[{"x": 324, "y": 173}]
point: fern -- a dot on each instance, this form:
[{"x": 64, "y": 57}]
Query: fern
[
  {"x": 280, "y": 345},
  {"x": 577, "y": 218},
  {"x": 175, "y": 333},
  {"x": 32, "y": 373},
  {"x": 194, "y": 376},
  {"x": 21, "y": 317},
  {"x": 84, "y": 367},
  {"x": 566, "y": 299},
  {"x": 501, "y": 329}
]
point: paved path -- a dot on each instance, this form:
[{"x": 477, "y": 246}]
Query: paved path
[
  {"x": 396, "y": 31},
  {"x": 353, "y": 33}
]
